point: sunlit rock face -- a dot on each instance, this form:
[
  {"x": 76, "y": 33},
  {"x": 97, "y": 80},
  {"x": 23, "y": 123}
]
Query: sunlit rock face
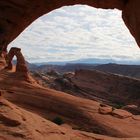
[
  {"x": 21, "y": 67},
  {"x": 17, "y": 15}
]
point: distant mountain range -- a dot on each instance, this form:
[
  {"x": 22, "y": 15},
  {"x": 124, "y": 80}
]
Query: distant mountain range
[
  {"x": 130, "y": 70},
  {"x": 92, "y": 61}
]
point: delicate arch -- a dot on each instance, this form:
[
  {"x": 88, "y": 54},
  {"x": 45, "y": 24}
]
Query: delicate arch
[{"x": 21, "y": 64}]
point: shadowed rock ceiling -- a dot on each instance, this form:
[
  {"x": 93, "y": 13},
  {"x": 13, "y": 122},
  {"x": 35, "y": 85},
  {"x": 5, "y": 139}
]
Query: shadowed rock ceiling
[{"x": 16, "y": 15}]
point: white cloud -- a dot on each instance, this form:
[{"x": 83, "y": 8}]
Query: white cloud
[{"x": 77, "y": 32}]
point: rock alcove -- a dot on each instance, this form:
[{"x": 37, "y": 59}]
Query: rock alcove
[{"x": 17, "y": 15}]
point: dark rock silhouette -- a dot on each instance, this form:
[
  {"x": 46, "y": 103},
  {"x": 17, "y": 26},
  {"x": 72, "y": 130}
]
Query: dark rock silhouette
[{"x": 21, "y": 14}]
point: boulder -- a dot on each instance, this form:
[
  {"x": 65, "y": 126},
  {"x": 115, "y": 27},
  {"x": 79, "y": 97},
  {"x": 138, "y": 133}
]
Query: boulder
[
  {"x": 122, "y": 114},
  {"x": 105, "y": 110}
]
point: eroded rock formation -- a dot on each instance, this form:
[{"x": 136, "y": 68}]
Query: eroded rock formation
[
  {"x": 21, "y": 64},
  {"x": 21, "y": 67},
  {"x": 16, "y": 15}
]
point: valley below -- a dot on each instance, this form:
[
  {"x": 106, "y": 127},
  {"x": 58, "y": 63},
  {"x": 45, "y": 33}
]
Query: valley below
[{"x": 83, "y": 104}]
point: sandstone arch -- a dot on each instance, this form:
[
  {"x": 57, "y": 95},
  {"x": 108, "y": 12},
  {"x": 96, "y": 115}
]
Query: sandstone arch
[
  {"x": 21, "y": 64},
  {"x": 16, "y": 15},
  {"x": 21, "y": 68}
]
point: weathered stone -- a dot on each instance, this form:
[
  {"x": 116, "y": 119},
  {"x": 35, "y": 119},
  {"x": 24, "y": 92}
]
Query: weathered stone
[
  {"x": 2, "y": 62},
  {"x": 136, "y": 117},
  {"x": 16, "y": 15},
  {"x": 21, "y": 64},
  {"x": 21, "y": 67},
  {"x": 1, "y": 96},
  {"x": 103, "y": 105},
  {"x": 105, "y": 110},
  {"x": 1, "y": 92},
  {"x": 122, "y": 114},
  {"x": 131, "y": 18}
]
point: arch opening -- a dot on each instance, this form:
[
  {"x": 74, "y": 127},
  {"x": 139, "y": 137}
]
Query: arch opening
[
  {"x": 53, "y": 35},
  {"x": 20, "y": 64},
  {"x": 17, "y": 19}
]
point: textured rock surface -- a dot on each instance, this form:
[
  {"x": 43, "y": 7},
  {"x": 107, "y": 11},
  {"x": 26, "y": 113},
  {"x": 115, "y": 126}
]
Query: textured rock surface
[
  {"x": 16, "y": 15},
  {"x": 122, "y": 114},
  {"x": 2, "y": 62},
  {"x": 19, "y": 124},
  {"x": 109, "y": 88},
  {"x": 2, "y": 92},
  {"x": 131, "y": 18},
  {"x": 21, "y": 67},
  {"x": 105, "y": 110},
  {"x": 136, "y": 117},
  {"x": 80, "y": 114},
  {"x": 21, "y": 64}
]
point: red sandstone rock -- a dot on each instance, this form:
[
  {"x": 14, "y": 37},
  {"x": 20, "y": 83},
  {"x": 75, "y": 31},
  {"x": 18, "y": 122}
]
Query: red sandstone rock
[
  {"x": 136, "y": 117},
  {"x": 105, "y": 110},
  {"x": 2, "y": 62},
  {"x": 21, "y": 67},
  {"x": 2, "y": 92},
  {"x": 131, "y": 18},
  {"x": 21, "y": 64},
  {"x": 79, "y": 113},
  {"x": 122, "y": 114},
  {"x": 17, "y": 15}
]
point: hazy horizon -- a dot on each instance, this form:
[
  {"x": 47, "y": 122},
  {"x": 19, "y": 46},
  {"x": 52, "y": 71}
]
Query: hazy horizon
[{"x": 88, "y": 61}]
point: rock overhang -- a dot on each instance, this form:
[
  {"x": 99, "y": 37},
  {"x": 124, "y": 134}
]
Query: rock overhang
[{"x": 16, "y": 15}]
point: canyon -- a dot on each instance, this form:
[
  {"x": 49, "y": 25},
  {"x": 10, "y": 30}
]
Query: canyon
[
  {"x": 83, "y": 105},
  {"x": 98, "y": 106},
  {"x": 34, "y": 108}
]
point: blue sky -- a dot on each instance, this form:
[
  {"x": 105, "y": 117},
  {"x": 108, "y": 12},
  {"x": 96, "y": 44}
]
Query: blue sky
[{"x": 76, "y": 32}]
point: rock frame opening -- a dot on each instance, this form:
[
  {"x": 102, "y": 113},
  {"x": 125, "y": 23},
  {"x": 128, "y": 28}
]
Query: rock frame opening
[{"x": 15, "y": 15}]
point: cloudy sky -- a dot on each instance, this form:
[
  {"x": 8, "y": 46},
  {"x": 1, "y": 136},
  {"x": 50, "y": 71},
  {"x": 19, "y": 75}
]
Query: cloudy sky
[{"x": 76, "y": 32}]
